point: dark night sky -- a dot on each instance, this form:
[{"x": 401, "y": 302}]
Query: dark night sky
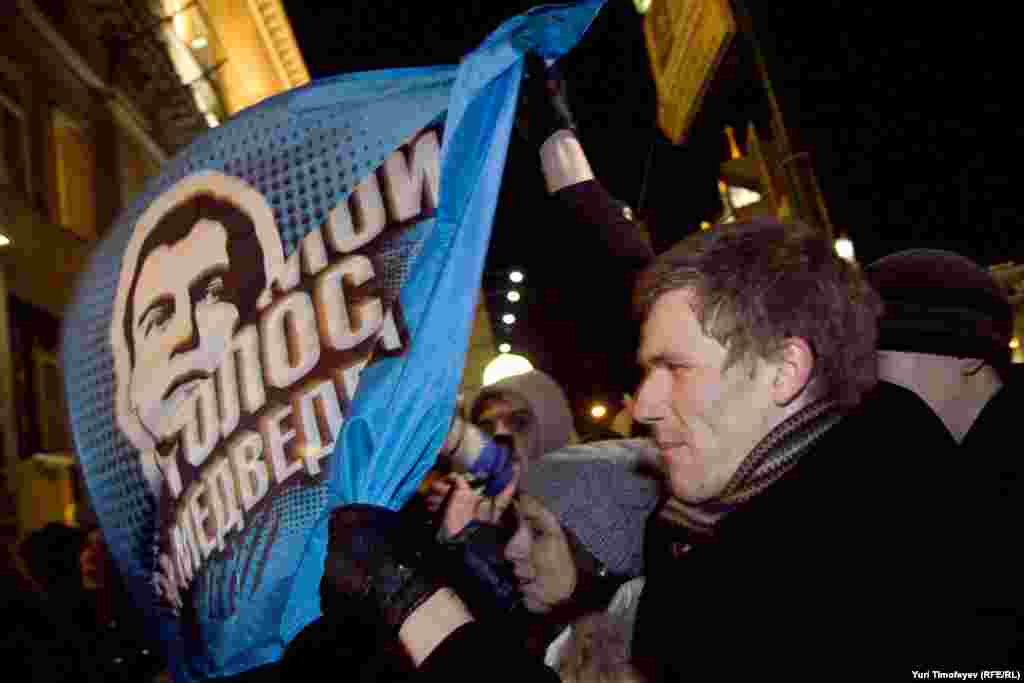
[{"x": 902, "y": 113}]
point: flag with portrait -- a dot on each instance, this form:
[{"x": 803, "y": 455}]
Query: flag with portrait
[{"x": 278, "y": 326}]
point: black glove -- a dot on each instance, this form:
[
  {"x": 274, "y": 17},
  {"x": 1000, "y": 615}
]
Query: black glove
[
  {"x": 373, "y": 558},
  {"x": 478, "y": 570},
  {"x": 544, "y": 107}
]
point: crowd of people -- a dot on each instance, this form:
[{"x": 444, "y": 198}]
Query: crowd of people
[
  {"x": 828, "y": 484},
  {"x": 825, "y": 485},
  {"x": 70, "y": 619}
]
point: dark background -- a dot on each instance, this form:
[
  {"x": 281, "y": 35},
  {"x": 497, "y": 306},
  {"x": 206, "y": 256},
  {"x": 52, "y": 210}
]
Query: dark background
[{"x": 905, "y": 113}]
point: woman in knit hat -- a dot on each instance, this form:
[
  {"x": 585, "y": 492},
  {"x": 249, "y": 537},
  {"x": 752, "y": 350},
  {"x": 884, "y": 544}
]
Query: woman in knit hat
[
  {"x": 579, "y": 515},
  {"x": 946, "y": 335}
]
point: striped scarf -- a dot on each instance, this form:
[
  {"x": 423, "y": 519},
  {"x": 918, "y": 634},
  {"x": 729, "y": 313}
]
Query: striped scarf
[{"x": 775, "y": 455}]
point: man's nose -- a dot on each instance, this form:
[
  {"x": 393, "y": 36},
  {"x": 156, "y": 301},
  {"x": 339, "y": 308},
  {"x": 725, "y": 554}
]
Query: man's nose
[
  {"x": 186, "y": 330},
  {"x": 649, "y": 403}
]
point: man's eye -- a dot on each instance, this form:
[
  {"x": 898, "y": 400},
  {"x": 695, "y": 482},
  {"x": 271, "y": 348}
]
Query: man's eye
[{"x": 157, "y": 318}]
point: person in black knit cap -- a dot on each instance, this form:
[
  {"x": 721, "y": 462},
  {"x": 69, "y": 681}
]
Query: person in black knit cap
[{"x": 945, "y": 335}]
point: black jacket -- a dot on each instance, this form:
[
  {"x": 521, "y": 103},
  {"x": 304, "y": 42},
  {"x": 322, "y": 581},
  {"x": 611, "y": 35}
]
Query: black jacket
[
  {"x": 846, "y": 564},
  {"x": 359, "y": 652},
  {"x": 989, "y": 447},
  {"x": 990, "y": 488},
  {"x": 482, "y": 651}
]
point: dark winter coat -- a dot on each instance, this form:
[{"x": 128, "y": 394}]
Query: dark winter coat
[{"x": 845, "y": 564}]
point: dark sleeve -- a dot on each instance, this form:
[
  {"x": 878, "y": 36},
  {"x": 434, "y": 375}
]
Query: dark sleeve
[
  {"x": 596, "y": 209},
  {"x": 476, "y": 569},
  {"x": 48, "y": 649},
  {"x": 474, "y": 651}
]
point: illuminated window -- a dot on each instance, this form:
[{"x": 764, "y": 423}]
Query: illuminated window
[
  {"x": 135, "y": 166},
  {"x": 74, "y": 159},
  {"x": 195, "y": 51},
  {"x": 54, "y": 430}
]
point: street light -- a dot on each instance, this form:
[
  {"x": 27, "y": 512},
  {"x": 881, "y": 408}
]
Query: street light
[
  {"x": 741, "y": 197},
  {"x": 516, "y": 276},
  {"x": 504, "y": 348},
  {"x": 505, "y": 365},
  {"x": 508, "y": 319},
  {"x": 4, "y": 240},
  {"x": 844, "y": 249},
  {"x": 512, "y": 296},
  {"x": 598, "y": 410}
]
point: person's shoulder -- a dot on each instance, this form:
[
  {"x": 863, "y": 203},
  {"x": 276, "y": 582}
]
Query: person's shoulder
[
  {"x": 996, "y": 424},
  {"x": 886, "y": 394},
  {"x": 1013, "y": 385},
  {"x": 901, "y": 413}
]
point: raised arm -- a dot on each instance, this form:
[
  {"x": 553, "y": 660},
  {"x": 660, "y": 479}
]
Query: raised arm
[{"x": 550, "y": 126}]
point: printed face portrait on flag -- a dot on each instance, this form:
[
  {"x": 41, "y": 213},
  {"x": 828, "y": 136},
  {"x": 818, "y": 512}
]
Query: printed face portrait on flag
[
  {"x": 277, "y": 326},
  {"x": 235, "y": 369},
  {"x": 187, "y": 283}
]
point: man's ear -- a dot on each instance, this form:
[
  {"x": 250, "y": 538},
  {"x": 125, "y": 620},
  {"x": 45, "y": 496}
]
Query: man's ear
[
  {"x": 793, "y": 365},
  {"x": 970, "y": 366}
]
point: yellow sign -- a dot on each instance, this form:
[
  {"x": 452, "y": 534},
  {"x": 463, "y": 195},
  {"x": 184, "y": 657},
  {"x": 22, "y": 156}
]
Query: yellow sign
[{"x": 686, "y": 39}]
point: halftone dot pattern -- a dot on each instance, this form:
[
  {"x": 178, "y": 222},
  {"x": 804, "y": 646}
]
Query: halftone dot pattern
[
  {"x": 304, "y": 151},
  {"x": 109, "y": 462},
  {"x": 299, "y": 508},
  {"x": 294, "y": 511},
  {"x": 396, "y": 252}
]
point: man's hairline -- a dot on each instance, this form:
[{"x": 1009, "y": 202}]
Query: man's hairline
[
  {"x": 695, "y": 304},
  {"x": 140, "y": 265},
  {"x": 503, "y": 397},
  {"x": 136, "y": 409}
]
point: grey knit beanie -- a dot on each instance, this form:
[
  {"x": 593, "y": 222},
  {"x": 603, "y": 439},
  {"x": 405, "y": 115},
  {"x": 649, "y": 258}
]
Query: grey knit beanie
[{"x": 603, "y": 494}]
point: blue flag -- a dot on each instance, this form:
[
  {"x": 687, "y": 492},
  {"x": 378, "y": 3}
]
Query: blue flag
[{"x": 278, "y": 326}]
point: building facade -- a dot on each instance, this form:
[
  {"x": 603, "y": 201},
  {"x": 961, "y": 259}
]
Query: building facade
[{"x": 94, "y": 97}]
